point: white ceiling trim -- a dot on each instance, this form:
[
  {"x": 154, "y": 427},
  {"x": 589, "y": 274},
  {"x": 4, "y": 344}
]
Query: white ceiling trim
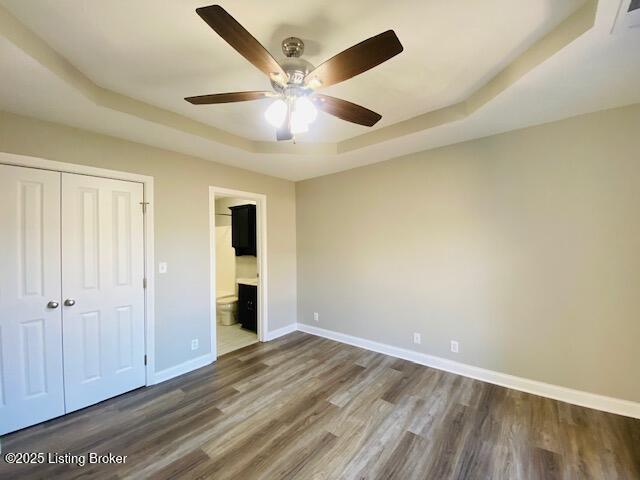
[{"x": 571, "y": 28}]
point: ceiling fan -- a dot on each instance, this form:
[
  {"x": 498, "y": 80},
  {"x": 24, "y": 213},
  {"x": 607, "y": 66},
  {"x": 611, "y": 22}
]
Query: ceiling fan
[{"x": 296, "y": 81}]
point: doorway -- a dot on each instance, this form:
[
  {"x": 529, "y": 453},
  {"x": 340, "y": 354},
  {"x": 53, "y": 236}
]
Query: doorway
[{"x": 238, "y": 264}]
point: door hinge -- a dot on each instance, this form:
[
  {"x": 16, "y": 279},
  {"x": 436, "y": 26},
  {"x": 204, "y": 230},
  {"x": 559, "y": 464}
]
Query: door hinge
[
  {"x": 144, "y": 282},
  {"x": 145, "y": 359},
  {"x": 144, "y": 206}
]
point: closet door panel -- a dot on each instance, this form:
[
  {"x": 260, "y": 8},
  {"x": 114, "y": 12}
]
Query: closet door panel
[
  {"x": 31, "y": 376},
  {"x": 102, "y": 249}
]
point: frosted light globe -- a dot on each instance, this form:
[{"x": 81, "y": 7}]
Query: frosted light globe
[
  {"x": 306, "y": 110},
  {"x": 298, "y": 125},
  {"x": 276, "y": 113}
]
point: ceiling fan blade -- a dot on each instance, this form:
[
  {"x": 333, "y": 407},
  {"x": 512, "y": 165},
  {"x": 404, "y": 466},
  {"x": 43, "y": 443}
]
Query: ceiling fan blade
[
  {"x": 239, "y": 38},
  {"x": 355, "y": 60},
  {"x": 228, "y": 97},
  {"x": 346, "y": 110}
]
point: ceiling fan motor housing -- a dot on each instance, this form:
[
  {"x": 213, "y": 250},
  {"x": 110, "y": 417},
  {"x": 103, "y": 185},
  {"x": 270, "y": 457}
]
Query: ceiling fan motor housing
[
  {"x": 292, "y": 47},
  {"x": 295, "y": 67}
]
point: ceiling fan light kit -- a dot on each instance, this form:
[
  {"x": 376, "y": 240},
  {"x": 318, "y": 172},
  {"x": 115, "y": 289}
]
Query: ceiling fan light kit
[
  {"x": 276, "y": 113},
  {"x": 295, "y": 81}
]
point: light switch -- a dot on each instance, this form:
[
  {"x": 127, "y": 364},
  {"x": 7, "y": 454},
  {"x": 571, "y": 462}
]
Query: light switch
[{"x": 162, "y": 267}]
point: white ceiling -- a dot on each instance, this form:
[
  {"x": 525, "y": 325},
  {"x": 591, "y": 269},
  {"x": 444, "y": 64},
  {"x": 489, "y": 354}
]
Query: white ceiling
[{"x": 160, "y": 51}]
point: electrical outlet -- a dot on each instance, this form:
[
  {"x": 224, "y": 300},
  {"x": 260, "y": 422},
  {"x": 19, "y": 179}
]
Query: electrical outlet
[
  {"x": 454, "y": 346},
  {"x": 162, "y": 267},
  {"x": 316, "y": 317},
  {"x": 416, "y": 338},
  {"x": 194, "y": 344}
]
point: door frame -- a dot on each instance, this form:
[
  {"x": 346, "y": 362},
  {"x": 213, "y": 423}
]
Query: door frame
[
  {"x": 261, "y": 249},
  {"x": 148, "y": 229}
]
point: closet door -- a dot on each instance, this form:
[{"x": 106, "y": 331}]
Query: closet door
[
  {"x": 103, "y": 295},
  {"x": 31, "y": 384}
]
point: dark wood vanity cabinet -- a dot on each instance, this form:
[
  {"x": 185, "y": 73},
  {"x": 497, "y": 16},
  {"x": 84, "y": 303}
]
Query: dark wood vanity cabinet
[
  {"x": 248, "y": 306},
  {"x": 243, "y": 229}
]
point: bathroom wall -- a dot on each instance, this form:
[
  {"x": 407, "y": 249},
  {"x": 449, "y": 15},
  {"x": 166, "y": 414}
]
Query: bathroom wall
[
  {"x": 225, "y": 262},
  {"x": 246, "y": 267},
  {"x": 229, "y": 267}
]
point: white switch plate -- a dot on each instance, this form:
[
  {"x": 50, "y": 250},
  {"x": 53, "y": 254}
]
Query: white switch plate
[
  {"x": 316, "y": 317},
  {"x": 454, "y": 346},
  {"x": 417, "y": 338},
  {"x": 162, "y": 267},
  {"x": 194, "y": 344}
]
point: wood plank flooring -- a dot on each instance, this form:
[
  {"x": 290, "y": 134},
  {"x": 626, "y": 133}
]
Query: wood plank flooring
[{"x": 304, "y": 407}]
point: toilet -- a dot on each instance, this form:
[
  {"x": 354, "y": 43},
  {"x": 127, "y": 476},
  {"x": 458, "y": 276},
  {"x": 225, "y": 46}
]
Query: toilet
[{"x": 226, "y": 309}]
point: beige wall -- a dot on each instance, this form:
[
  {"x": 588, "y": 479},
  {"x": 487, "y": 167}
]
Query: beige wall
[
  {"x": 524, "y": 247},
  {"x": 181, "y": 224}
]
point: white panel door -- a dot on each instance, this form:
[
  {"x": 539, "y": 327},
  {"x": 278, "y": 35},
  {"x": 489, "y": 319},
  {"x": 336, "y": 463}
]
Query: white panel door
[
  {"x": 31, "y": 384},
  {"x": 102, "y": 290}
]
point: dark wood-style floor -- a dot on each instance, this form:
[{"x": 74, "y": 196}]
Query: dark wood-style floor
[{"x": 308, "y": 408}]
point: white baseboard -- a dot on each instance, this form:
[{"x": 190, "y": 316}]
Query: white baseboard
[
  {"x": 272, "y": 335},
  {"x": 576, "y": 397},
  {"x": 182, "y": 368},
  {"x": 204, "y": 360}
]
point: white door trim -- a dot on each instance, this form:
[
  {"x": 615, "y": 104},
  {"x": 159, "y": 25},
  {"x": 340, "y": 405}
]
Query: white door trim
[
  {"x": 261, "y": 246},
  {"x": 147, "y": 182}
]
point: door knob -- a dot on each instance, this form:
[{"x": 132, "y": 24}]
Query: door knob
[
  {"x": 69, "y": 302},
  {"x": 52, "y": 304}
]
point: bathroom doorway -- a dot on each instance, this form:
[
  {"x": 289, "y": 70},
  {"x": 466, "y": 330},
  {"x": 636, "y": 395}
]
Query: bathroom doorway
[{"x": 238, "y": 263}]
